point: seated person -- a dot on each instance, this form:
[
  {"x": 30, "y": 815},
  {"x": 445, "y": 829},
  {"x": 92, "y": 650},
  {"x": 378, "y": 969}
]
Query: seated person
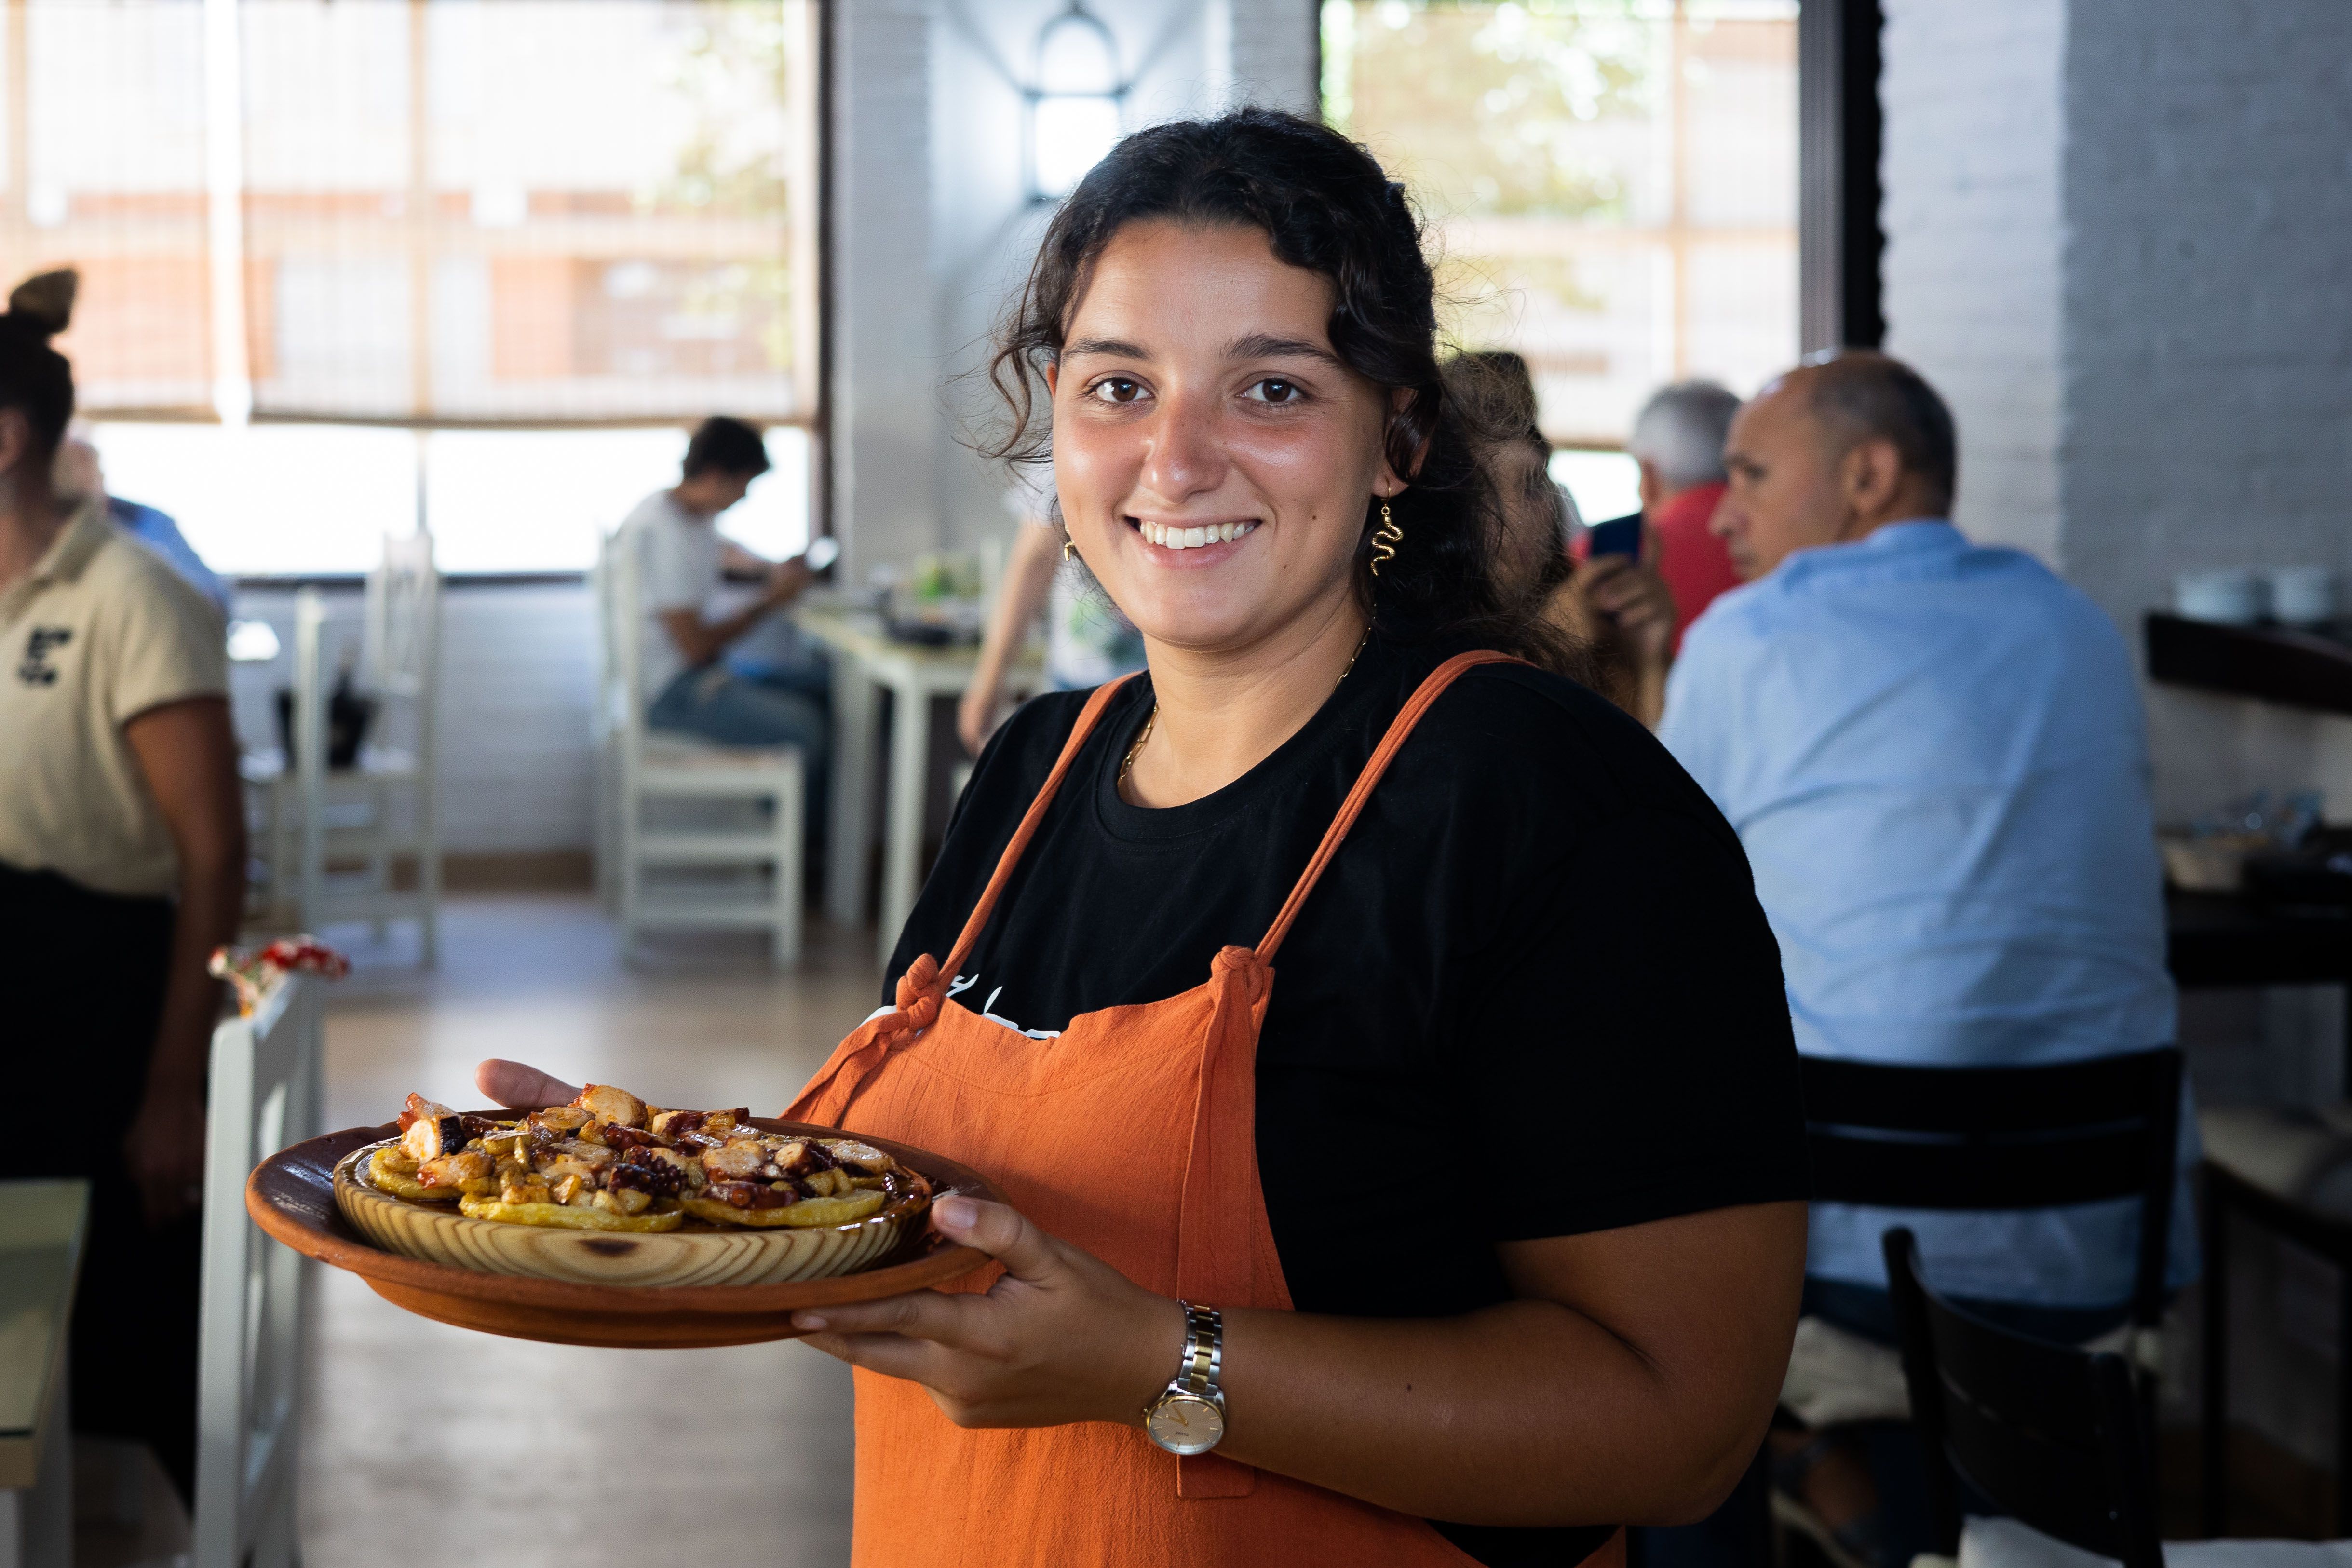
[
  {"x": 80, "y": 474},
  {"x": 1677, "y": 441},
  {"x": 1615, "y": 613},
  {"x": 1934, "y": 754},
  {"x": 681, "y": 560}
]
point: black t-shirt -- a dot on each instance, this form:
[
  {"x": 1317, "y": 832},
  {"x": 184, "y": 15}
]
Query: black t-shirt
[{"x": 1539, "y": 945}]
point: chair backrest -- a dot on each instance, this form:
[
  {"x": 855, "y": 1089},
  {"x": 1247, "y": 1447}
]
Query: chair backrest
[
  {"x": 2050, "y": 1435},
  {"x": 621, "y": 631},
  {"x": 310, "y": 752},
  {"x": 402, "y": 640},
  {"x": 2004, "y": 1138},
  {"x": 264, "y": 1095}
]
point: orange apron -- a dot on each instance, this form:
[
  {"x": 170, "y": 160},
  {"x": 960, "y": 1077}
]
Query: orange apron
[{"x": 1131, "y": 1134}]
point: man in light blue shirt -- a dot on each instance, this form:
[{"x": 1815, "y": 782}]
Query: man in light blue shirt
[{"x": 1935, "y": 756}]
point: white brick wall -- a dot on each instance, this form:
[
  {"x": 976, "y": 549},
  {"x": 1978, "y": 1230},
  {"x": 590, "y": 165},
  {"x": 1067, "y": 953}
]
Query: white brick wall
[
  {"x": 2117, "y": 241},
  {"x": 2209, "y": 310},
  {"x": 1973, "y": 280}
]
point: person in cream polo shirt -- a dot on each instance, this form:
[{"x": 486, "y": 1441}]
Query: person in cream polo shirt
[{"x": 122, "y": 868}]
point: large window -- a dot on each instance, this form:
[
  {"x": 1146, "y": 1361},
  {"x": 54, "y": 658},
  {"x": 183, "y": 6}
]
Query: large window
[
  {"x": 1613, "y": 184},
  {"x": 525, "y": 241}
]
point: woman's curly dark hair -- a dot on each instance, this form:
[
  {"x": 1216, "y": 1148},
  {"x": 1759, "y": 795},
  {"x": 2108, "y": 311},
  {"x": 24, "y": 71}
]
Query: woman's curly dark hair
[{"x": 1325, "y": 205}]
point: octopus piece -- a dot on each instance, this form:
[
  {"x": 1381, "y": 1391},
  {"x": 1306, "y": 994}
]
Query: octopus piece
[
  {"x": 754, "y": 1194},
  {"x": 417, "y": 1107},
  {"x": 430, "y": 1137},
  {"x": 800, "y": 1157},
  {"x": 735, "y": 1162},
  {"x": 617, "y": 1136},
  {"x": 654, "y": 1179},
  {"x": 674, "y": 1125},
  {"x": 865, "y": 1156},
  {"x": 605, "y": 1103}
]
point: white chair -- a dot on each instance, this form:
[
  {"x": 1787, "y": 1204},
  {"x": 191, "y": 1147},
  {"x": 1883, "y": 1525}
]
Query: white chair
[
  {"x": 317, "y": 816},
  {"x": 264, "y": 1096},
  {"x": 745, "y": 872}
]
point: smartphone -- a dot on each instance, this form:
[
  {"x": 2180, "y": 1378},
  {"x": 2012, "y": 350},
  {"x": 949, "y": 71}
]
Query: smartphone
[
  {"x": 822, "y": 552},
  {"x": 1618, "y": 536}
]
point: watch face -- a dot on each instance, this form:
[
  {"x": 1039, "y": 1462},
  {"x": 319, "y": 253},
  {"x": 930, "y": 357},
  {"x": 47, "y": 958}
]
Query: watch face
[{"x": 1186, "y": 1423}]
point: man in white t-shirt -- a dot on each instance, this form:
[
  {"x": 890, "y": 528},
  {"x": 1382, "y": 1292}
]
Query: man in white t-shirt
[{"x": 680, "y": 562}]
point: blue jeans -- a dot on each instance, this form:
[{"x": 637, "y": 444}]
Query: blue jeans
[{"x": 716, "y": 704}]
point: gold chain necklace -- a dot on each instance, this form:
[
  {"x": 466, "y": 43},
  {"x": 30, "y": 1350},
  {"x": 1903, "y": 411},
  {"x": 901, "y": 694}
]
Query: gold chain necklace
[{"x": 1127, "y": 764}]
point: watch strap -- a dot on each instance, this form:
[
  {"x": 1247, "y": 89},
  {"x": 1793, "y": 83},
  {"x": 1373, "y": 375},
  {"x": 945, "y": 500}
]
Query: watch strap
[{"x": 1205, "y": 1353}]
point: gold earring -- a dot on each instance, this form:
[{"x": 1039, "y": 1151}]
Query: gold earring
[
  {"x": 1385, "y": 539},
  {"x": 1069, "y": 549}
]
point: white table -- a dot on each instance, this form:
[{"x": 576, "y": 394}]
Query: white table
[
  {"x": 43, "y": 1225},
  {"x": 866, "y": 660}
]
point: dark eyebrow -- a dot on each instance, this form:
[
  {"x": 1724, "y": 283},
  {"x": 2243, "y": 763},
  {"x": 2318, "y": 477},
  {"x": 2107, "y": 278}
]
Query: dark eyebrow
[
  {"x": 1258, "y": 345},
  {"x": 1115, "y": 348}
]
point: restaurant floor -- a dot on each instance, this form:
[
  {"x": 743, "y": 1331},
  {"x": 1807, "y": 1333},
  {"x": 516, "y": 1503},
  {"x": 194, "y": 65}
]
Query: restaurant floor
[{"x": 524, "y": 1454}]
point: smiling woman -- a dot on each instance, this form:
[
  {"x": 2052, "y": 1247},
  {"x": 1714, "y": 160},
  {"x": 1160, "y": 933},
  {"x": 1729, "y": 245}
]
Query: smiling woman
[{"x": 1478, "y": 1236}]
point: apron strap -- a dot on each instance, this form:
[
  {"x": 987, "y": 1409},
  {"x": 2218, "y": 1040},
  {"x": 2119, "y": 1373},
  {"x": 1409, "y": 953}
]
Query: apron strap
[
  {"x": 1431, "y": 689},
  {"x": 1088, "y": 717}
]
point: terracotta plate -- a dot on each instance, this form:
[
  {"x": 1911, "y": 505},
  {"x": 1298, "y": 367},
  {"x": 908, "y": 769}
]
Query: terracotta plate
[{"x": 291, "y": 1196}]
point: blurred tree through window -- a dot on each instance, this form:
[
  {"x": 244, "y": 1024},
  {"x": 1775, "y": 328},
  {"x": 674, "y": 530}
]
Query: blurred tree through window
[{"x": 1612, "y": 184}]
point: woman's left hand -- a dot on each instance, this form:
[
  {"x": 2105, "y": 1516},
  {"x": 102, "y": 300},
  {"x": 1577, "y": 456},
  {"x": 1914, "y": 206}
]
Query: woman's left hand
[{"x": 1062, "y": 1337}]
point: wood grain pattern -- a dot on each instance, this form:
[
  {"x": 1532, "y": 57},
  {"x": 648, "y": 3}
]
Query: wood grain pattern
[
  {"x": 293, "y": 1196},
  {"x": 700, "y": 1256}
]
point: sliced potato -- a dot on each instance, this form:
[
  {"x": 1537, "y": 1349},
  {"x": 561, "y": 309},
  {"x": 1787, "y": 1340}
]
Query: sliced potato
[
  {"x": 399, "y": 1184},
  {"x": 562, "y": 1217},
  {"x": 803, "y": 1214}
]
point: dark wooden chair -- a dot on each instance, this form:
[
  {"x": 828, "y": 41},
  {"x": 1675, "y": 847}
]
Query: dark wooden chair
[
  {"x": 2047, "y": 1434},
  {"x": 2004, "y": 1138},
  {"x": 2009, "y": 1138}
]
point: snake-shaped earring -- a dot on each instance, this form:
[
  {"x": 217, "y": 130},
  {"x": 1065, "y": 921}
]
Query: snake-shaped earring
[{"x": 1385, "y": 539}]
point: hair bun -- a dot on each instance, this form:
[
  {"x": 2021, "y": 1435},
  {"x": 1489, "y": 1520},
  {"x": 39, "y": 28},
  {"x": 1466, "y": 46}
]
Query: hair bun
[{"x": 46, "y": 300}]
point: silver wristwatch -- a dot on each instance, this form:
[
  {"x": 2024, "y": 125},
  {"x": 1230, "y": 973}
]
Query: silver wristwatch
[{"x": 1189, "y": 1416}]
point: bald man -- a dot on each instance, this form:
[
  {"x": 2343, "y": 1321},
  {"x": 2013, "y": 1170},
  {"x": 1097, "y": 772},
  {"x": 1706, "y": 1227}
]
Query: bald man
[{"x": 1933, "y": 753}]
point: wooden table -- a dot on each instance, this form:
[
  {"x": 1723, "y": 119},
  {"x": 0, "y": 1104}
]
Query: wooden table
[
  {"x": 42, "y": 1227},
  {"x": 867, "y": 660}
]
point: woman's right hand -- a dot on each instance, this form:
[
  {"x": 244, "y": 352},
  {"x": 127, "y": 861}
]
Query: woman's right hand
[{"x": 518, "y": 1085}]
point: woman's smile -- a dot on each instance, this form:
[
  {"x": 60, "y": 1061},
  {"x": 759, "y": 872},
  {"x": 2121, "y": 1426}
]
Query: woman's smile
[{"x": 1191, "y": 544}]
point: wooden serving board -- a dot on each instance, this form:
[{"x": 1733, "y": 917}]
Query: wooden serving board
[{"x": 292, "y": 1196}]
